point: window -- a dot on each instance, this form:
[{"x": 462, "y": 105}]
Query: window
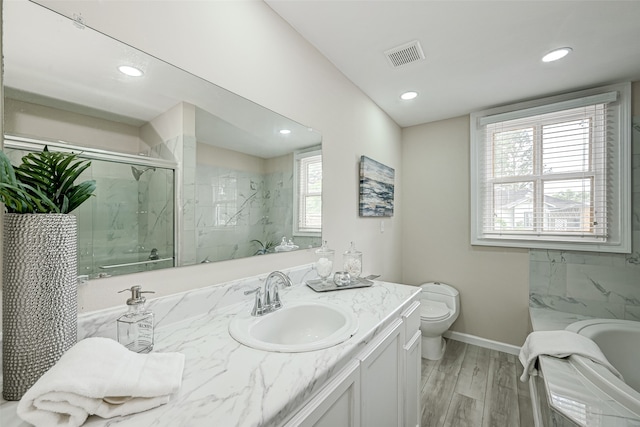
[
  {"x": 308, "y": 184},
  {"x": 554, "y": 173},
  {"x": 225, "y": 210}
]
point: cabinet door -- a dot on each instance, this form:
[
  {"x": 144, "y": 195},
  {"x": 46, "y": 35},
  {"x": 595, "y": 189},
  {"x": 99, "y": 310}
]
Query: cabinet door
[
  {"x": 411, "y": 319},
  {"x": 412, "y": 380},
  {"x": 381, "y": 372},
  {"x": 337, "y": 404}
]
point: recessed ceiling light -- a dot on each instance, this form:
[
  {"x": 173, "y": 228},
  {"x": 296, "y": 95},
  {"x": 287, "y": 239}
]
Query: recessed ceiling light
[
  {"x": 285, "y": 131},
  {"x": 408, "y": 95},
  {"x": 554, "y": 55},
  {"x": 130, "y": 71}
]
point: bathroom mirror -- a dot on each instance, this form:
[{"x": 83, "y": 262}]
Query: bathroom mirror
[{"x": 243, "y": 176}]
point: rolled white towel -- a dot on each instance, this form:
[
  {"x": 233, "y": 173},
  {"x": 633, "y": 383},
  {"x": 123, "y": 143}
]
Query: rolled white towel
[
  {"x": 559, "y": 344},
  {"x": 102, "y": 377}
]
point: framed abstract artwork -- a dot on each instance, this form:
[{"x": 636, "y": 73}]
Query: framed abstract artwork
[{"x": 376, "y": 188}]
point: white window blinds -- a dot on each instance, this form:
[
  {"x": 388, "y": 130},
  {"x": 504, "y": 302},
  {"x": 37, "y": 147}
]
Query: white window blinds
[
  {"x": 309, "y": 192},
  {"x": 553, "y": 174}
]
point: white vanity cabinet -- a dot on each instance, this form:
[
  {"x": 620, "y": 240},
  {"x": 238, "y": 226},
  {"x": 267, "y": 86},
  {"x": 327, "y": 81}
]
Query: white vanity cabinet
[
  {"x": 378, "y": 388},
  {"x": 381, "y": 379},
  {"x": 337, "y": 404},
  {"x": 413, "y": 365},
  {"x": 369, "y": 380}
]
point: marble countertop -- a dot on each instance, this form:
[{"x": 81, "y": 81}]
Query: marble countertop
[
  {"x": 569, "y": 392},
  {"x": 228, "y": 384}
]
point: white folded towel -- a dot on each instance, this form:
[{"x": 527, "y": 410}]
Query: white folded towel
[
  {"x": 102, "y": 377},
  {"x": 559, "y": 344}
]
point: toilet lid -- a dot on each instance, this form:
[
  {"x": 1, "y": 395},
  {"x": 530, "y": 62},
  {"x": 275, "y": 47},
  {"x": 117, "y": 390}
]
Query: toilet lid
[{"x": 434, "y": 310}]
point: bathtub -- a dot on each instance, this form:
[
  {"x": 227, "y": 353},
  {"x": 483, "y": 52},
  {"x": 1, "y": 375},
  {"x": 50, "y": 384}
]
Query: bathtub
[{"x": 619, "y": 340}]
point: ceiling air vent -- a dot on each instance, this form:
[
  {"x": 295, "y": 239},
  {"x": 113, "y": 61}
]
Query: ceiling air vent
[{"x": 405, "y": 54}]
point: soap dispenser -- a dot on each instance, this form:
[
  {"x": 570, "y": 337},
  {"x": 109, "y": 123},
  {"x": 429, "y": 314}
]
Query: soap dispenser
[{"x": 135, "y": 328}]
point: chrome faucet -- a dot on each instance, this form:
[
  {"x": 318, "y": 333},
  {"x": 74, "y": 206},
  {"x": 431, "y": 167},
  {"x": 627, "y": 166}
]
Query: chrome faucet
[{"x": 269, "y": 301}]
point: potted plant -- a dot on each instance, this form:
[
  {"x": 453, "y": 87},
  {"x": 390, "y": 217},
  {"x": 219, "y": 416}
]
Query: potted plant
[
  {"x": 39, "y": 301},
  {"x": 265, "y": 247}
]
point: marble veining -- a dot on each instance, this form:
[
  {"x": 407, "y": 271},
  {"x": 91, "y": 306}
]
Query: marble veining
[
  {"x": 236, "y": 207},
  {"x": 569, "y": 392},
  {"x": 228, "y": 384}
]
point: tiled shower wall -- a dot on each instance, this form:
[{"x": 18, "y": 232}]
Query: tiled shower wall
[
  {"x": 234, "y": 207},
  {"x": 590, "y": 283},
  {"x": 126, "y": 219}
]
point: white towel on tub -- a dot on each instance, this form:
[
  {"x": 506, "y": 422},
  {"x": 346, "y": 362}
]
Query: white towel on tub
[
  {"x": 559, "y": 344},
  {"x": 102, "y": 377}
]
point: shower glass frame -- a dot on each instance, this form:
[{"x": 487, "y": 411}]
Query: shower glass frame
[{"x": 31, "y": 144}]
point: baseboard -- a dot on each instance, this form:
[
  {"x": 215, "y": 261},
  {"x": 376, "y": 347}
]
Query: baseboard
[{"x": 483, "y": 342}]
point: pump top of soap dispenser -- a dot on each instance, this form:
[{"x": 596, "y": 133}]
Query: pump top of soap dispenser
[
  {"x": 136, "y": 295},
  {"x": 135, "y": 327}
]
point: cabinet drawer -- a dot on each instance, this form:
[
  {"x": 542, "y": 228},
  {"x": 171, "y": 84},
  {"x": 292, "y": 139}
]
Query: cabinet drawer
[{"x": 411, "y": 320}]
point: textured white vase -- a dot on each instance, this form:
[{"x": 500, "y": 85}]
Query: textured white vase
[{"x": 39, "y": 296}]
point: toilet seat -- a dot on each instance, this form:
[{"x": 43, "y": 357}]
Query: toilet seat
[{"x": 434, "y": 310}]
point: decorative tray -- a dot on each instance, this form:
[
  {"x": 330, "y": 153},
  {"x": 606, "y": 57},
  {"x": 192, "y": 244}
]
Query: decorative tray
[{"x": 318, "y": 286}]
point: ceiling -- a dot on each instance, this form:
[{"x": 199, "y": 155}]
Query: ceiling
[{"x": 478, "y": 54}]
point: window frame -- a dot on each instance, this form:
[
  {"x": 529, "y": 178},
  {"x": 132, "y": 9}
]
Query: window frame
[
  {"x": 618, "y": 234},
  {"x": 298, "y": 156},
  {"x": 226, "y": 204}
]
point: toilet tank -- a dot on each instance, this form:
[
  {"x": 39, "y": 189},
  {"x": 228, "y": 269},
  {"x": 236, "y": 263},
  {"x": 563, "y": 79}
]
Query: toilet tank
[{"x": 436, "y": 291}]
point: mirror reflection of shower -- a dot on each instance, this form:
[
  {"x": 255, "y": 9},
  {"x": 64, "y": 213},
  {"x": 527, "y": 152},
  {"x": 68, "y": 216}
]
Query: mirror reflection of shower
[
  {"x": 137, "y": 173},
  {"x": 129, "y": 226}
]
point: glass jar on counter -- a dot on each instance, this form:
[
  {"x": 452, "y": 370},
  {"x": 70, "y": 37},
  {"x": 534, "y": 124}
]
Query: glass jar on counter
[
  {"x": 324, "y": 261},
  {"x": 352, "y": 262}
]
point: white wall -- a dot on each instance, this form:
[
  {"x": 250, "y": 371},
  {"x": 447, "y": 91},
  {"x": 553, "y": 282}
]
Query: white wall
[
  {"x": 493, "y": 282},
  {"x": 245, "y": 47},
  {"x": 24, "y": 118}
]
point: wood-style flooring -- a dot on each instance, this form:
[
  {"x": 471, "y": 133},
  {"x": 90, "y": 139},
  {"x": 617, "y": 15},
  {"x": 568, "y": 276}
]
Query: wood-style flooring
[{"x": 475, "y": 387}]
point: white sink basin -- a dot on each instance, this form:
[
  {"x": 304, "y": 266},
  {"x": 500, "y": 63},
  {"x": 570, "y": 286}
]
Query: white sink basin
[{"x": 296, "y": 327}]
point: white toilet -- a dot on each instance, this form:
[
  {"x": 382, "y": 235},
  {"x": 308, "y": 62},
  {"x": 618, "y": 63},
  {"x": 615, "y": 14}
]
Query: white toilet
[{"x": 439, "y": 308}]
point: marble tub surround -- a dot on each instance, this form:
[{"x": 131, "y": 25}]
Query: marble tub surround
[
  {"x": 569, "y": 393},
  {"x": 591, "y": 284},
  {"x": 543, "y": 319},
  {"x": 229, "y": 384}
]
